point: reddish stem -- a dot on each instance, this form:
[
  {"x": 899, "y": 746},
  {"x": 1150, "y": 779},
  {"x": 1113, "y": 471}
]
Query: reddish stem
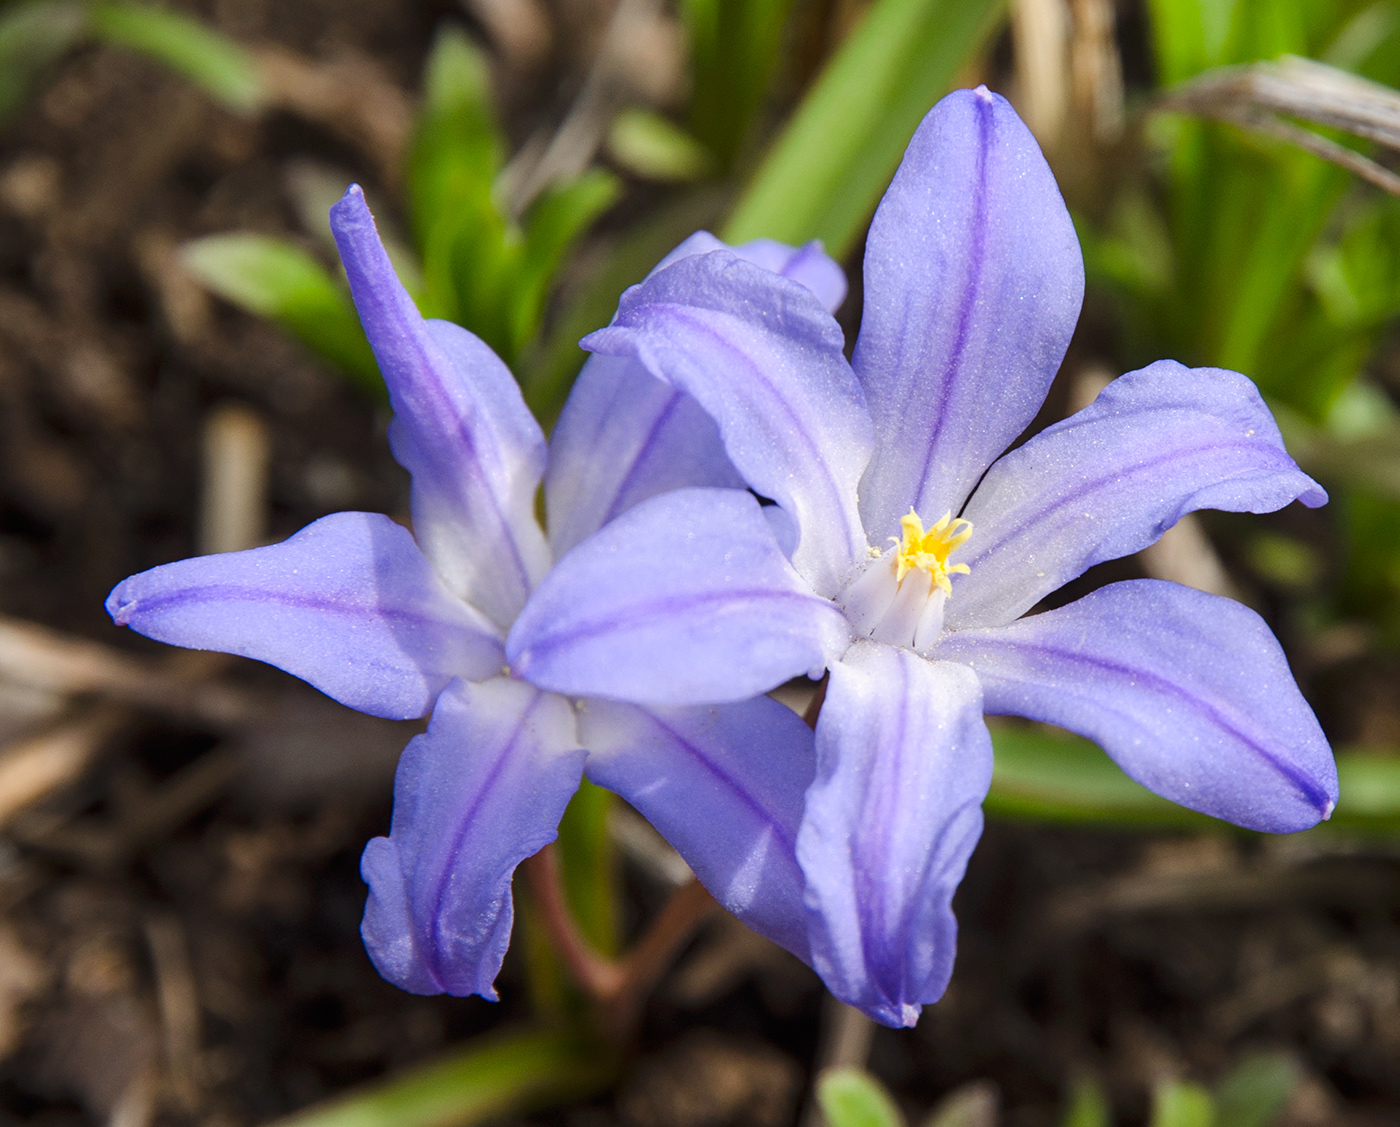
[{"x": 617, "y": 986}]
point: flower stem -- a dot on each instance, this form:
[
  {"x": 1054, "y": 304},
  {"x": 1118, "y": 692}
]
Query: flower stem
[{"x": 618, "y": 987}]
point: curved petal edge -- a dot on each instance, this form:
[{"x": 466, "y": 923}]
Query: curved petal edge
[
  {"x": 904, "y": 761},
  {"x": 482, "y": 789},
  {"x": 349, "y": 604},
  {"x": 1189, "y": 693},
  {"x": 685, "y": 599}
]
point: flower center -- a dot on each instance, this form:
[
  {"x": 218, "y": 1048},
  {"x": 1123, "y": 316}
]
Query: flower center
[
  {"x": 899, "y": 597},
  {"x": 929, "y": 549}
]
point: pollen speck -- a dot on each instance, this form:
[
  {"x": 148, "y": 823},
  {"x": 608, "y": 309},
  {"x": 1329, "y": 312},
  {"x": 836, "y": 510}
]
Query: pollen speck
[{"x": 930, "y": 548}]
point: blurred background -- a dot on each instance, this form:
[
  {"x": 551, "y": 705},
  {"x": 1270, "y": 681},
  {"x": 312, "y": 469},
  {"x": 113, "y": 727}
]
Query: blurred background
[{"x": 181, "y": 372}]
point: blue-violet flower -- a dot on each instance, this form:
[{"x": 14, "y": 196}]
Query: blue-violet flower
[
  {"x": 400, "y": 624},
  {"x": 902, "y": 554}
]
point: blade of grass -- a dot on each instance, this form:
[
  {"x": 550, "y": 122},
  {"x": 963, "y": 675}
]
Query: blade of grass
[
  {"x": 488, "y": 1077},
  {"x": 218, "y": 65},
  {"x": 1257, "y": 1090},
  {"x": 822, "y": 178},
  {"x": 735, "y": 46},
  {"x": 1088, "y": 1106},
  {"x": 554, "y": 224},
  {"x": 549, "y": 372},
  {"x": 1044, "y": 775},
  {"x": 1182, "y": 1104},
  {"x": 33, "y": 35},
  {"x": 278, "y": 280}
]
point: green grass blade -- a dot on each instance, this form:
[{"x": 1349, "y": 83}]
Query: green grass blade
[
  {"x": 734, "y": 46},
  {"x": 650, "y": 146},
  {"x": 278, "y": 280},
  {"x": 1045, "y": 775},
  {"x": 827, "y": 171},
  {"x": 552, "y": 227},
  {"x": 218, "y": 65},
  {"x": 486, "y": 1078},
  {"x": 1257, "y": 1090},
  {"x": 457, "y": 144},
  {"x": 850, "y": 1097},
  {"x": 1088, "y": 1106},
  {"x": 549, "y": 372},
  {"x": 32, "y": 36},
  {"x": 1178, "y": 1104}
]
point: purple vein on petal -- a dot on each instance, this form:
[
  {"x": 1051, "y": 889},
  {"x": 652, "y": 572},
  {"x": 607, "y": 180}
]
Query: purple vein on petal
[
  {"x": 727, "y": 780},
  {"x": 1114, "y": 479},
  {"x": 654, "y": 431},
  {"x": 1316, "y": 797},
  {"x": 976, "y": 264},
  {"x": 855, "y": 535},
  {"x": 463, "y": 826},
  {"x": 232, "y": 592},
  {"x": 640, "y": 613}
]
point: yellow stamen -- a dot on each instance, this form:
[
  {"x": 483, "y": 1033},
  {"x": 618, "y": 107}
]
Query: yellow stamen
[{"x": 930, "y": 548}]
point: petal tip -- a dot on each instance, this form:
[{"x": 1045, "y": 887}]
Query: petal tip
[
  {"x": 120, "y": 606},
  {"x": 1314, "y": 497},
  {"x": 350, "y": 204}
]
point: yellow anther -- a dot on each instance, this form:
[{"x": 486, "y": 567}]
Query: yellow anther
[{"x": 930, "y": 548}]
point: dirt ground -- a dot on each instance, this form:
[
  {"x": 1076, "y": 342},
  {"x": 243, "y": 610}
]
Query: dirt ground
[{"x": 178, "y": 920}]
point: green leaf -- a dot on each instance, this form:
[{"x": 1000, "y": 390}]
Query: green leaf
[
  {"x": 550, "y": 368},
  {"x": 554, "y": 224},
  {"x": 276, "y": 279},
  {"x": 218, "y": 65},
  {"x": 1088, "y": 1106},
  {"x": 1180, "y": 1104},
  {"x": 652, "y": 147},
  {"x": 32, "y": 36},
  {"x": 734, "y": 50},
  {"x": 486, "y": 1078},
  {"x": 850, "y": 1097},
  {"x": 1257, "y": 1090},
  {"x": 1370, "y": 789},
  {"x": 457, "y": 144},
  {"x": 1043, "y": 774},
  {"x": 826, "y": 173}
]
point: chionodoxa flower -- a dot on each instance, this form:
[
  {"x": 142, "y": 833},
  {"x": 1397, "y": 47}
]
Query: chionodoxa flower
[
  {"x": 901, "y": 552},
  {"x": 400, "y": 624}
]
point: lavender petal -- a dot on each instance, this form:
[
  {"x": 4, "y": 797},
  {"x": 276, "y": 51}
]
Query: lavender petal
[{"x": 1189, "y": 693}]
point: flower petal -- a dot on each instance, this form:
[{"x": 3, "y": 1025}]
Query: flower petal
[
  {"x": 1156, "y": 444},
  {"x": 460, "y": 428},
  {"x": 475, "y": 795},
  {"x": 624, "y": 436},
  {"x": 724, "y": 785},
  {"x": 1189, "y": 693},
  {"x": 903, "y": 763},
  {"x": 973, "y": 282},
  {"x": 764, "y": 359},
  {"x": 808, "y": 265},
  {"x": 686, "y": 599},
  {"x": 348, "y": 604}
]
